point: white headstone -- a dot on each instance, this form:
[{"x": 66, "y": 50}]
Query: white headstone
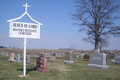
[
  {"x": 48, "y": 54},
  {"x": 17, "y": 58},
  {"x": 82, "y": 54},
  {"x": 7, "y": 54},
  {"x": 98, "y": 60},
  {"x": 77, "y": 56},
  {"x": 45, "y": 54},
  {"x": 117, "y": 58}
]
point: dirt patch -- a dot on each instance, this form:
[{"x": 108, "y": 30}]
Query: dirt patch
[
  {"x": 61, "y": 68},
  {"x": 23, "y": 76}
]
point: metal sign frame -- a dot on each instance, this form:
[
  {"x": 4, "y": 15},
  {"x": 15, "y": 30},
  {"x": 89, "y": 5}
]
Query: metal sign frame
[{"x": 25, "y": 37}]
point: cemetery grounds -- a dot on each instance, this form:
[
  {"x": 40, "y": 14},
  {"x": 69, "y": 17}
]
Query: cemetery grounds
[{"x": 59, "y": 71}]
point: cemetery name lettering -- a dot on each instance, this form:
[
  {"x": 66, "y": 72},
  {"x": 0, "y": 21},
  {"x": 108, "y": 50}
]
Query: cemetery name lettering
[{"x": 24, "y": 28}]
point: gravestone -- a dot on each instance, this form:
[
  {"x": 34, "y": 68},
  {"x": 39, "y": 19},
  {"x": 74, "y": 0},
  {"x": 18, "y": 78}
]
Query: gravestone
[
  {"x": 38, "y": 61},
  {"x": 48, "y": 54},
  {"x": 82, "y": 54},
  {"x": 78, "y": 55},
  {"x": 17, "y": 58},
  {"x": 45, "y": 54},
  {"x": 12, "y": 56},
  {"x": 111, "y": 54},
  {"x": 98, "y": 60},
  {"x": 28, "y": 61},
  {"x": 117, "y": 59},
  {"x": 69, "y": 57},
  {"x": 41, "y": 55},
  {"x": 62, "y": 54},
  {"x": 7, "y": 54},
  {"x": 86, "y": 57},
  {"x": 43, "y": 65},
  {"x": 53, "y": 58},
  {"x": 54, "y": 54},
  {"x": 2, "y": 53},
  {"x": 59, "y": 54}
]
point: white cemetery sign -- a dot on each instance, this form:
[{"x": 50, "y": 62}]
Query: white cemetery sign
[{"x": 24, "y": 30}]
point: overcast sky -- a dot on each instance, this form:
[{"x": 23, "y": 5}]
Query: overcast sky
[{"x": 57, "y": 31}]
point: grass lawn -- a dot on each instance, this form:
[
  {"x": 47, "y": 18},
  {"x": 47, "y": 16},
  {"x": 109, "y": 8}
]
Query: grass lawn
[
  {"x": 4, "y": 56},
  {"x": 59, "y": 71}
]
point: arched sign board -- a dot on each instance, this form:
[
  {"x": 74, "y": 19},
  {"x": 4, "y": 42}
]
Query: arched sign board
[{"x": 24, "y": 30}]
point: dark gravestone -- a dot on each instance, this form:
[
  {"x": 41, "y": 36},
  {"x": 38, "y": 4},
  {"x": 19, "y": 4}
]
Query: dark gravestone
[
  {"x": 54, "y": 54},
  {"x": 38, "y": 61},
  {"x": 41, "y": 55},
  {"x": 43, "y": 66},
  {"x": 111, "y": 55},
  {"x": 86, "y": 57},
  {"x": 69, "y": 57}
]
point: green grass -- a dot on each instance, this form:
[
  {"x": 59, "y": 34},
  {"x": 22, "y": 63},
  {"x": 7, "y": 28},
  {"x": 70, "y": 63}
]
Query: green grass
[
  {"x": 59, "y": 71},
  {"x": 4, "y": 56}
]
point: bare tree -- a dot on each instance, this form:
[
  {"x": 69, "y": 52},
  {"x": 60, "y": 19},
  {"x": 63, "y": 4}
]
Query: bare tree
[
  {"x": 96, "y": 17},
  {"x": 103, "y": 42},
  {"x": 72, "y": 47}
]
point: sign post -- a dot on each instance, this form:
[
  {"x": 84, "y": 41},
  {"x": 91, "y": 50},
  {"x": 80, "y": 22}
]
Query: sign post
[
  {"x": 24, "y": 66},
  {"x": 24, "y": 30}
]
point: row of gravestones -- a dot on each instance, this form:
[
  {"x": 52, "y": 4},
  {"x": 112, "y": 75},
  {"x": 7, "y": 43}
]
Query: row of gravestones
[
  {"x": 12, "y": 56},
  {"x": 4, "y": 54},
  {"x": 41, "y": 63},
  {"x": 17, "y": 58},
  {"x": 60, "y": 54},
  {"x": 98, "y": 60},
  {"x": 81, "y": 55},
  {"x": 85, "y": 57},
  {"x": 48, "y": 54}
]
